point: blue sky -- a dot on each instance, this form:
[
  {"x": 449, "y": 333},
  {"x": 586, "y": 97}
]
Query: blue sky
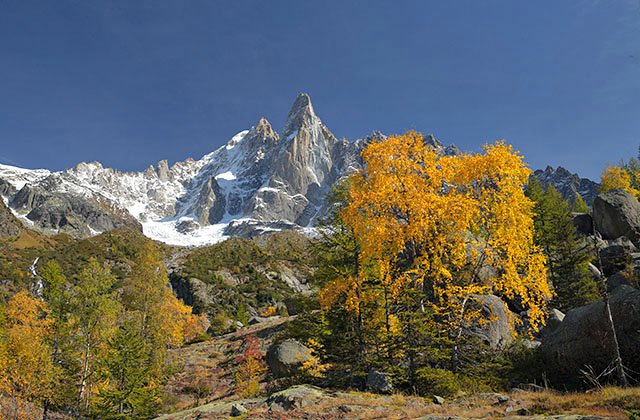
[{"x": 132, "y": 82}]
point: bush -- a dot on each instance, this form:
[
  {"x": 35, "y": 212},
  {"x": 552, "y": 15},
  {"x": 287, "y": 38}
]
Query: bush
[{"x": 433, "y": 381}]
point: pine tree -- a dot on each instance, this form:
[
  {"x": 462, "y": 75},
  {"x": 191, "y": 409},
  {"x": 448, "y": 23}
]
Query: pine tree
[
  {"x": 568, "y": 256},
  {"x": 579, "y": 205},
  {"x": 132, "y": 393}
]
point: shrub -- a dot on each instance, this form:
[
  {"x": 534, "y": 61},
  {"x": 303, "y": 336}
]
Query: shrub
[{"x": 433, "y": 381}]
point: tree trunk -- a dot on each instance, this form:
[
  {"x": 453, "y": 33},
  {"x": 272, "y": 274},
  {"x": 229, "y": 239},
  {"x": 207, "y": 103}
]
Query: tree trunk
[
  {"x": 85, "y": 372},
  {"x": 455, "y": 355},
  {"x": 619, "y": 366}
]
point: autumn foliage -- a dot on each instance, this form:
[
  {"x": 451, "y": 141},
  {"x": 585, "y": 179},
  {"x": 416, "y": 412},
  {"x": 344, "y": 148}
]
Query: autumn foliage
[
  {"x": 251, "y": 366},
  {"x": 92, "y": 346},
  {"x": 432, "y": 232}
]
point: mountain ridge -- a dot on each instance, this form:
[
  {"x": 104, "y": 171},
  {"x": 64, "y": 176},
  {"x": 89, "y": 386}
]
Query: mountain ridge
[{"x": 258, "y": 181}]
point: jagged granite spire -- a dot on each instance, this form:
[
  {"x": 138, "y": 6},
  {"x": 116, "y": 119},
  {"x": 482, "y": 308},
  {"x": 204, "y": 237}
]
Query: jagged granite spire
[{"x": 301, "y": 113}]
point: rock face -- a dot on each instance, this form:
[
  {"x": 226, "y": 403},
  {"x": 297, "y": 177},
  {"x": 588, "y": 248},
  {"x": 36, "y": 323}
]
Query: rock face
[
  {"x": 616, "y": 213},
  {"x": 583, "y": 338},
  {"x": 285, "y": 358},
  {"x": 9, "y": 225},
  {"x": 568, "y": 184},
  {"x": 259, "y": 181},
  {"x": 497, "y": 332},
  {"x": 77, "y": 215}
]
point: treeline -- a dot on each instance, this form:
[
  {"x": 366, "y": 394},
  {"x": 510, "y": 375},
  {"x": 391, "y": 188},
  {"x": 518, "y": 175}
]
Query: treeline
[{"x": 93, "y": 345}]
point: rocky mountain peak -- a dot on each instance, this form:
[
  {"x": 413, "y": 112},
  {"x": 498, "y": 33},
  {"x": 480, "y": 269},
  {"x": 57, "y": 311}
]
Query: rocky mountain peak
[
  {"x": 301, "y": 113},
  {"x": 568, "y": 184},
  {"x": 263, "y": 130}
]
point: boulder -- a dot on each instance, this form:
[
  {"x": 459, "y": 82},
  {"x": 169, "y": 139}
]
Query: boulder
[
  {"x": 496, "y": 330},
  {"x": 583, "y": 337},
  {"x": 616, "y": 255},
  {"x": 379, "y": 382},
  {"x": 616, "y": 213},
  {"x": 287, "y": 357},
  {"x": 583, "y": 223},
  {"x": 296, "y": 397}
]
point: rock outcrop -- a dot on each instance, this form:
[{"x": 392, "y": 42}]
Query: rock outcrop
[{"x": 616, "y": 213}]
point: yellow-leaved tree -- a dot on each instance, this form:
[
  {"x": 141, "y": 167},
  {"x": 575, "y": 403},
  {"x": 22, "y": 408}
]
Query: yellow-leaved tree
[
  {"x": 616, "y": 177},
  {"x": 434, "y": 232},
  {"x": 27, "y": 372}
]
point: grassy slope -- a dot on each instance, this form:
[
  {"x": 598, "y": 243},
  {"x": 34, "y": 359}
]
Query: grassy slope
[{"x": 216, "y": 358}]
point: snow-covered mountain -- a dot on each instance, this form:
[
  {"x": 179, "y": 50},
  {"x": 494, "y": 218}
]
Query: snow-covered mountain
[{"x": 258, "y": 181}]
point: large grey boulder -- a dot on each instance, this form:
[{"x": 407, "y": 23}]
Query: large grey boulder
[
  {"x": 583, "y": 338},
  {"x": 379, "y": 382},
  {"x": 496, "y": 327},
  {"x": 616, "y": 213},
  {"x": 287, "y": 357}
]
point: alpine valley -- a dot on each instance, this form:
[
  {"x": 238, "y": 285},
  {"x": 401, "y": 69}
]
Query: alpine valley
[{"x": 260, "y": 181}]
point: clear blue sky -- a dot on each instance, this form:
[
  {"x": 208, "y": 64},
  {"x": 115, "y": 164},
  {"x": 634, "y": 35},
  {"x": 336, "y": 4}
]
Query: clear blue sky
[{"x": 132, "y": 82}]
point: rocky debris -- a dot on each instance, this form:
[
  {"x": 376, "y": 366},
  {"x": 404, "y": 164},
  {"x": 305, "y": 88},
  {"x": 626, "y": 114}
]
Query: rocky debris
[
  {"x": 187, "y": 226},
  {"x": 251, "y": 228},
  {"x": 583, "y": 337},
  {"x": 9, "y": 225},
  {"x": 615, "y": 280},
  {"x": 437, "y": 400},
  {"x": 287, "y": 357},
  {"x": 497, "y": 331},
  {"x": 379, "y": 382},
  {"x": 583, "y": 223},
  {"x": 297, "y": 396},
  {"x": 616, "y": 213},
  {"x": 238, "y": 410},
  {"x": 568, "y": 184}
]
